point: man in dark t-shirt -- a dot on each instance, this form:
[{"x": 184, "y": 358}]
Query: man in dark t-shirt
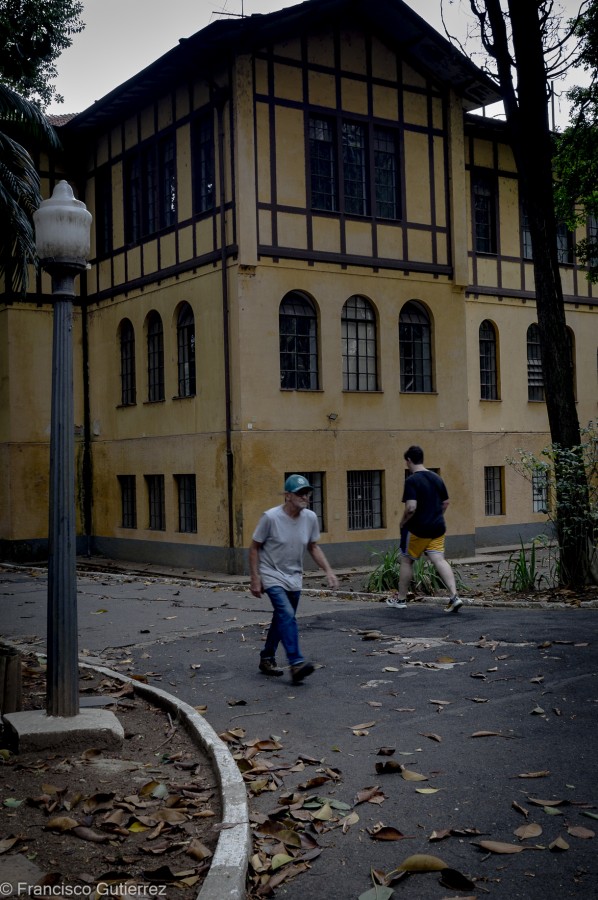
[{"x": 425, "y": 498}]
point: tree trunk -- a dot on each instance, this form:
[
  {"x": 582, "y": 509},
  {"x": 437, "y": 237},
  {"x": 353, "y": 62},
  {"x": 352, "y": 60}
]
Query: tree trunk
[{"x": 532, "y": 146}]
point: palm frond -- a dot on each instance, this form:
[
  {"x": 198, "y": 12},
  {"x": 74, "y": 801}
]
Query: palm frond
[{"x": 26, "y": 120}]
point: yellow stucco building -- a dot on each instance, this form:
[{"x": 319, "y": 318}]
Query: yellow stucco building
[{"x": 309, "y": 252}]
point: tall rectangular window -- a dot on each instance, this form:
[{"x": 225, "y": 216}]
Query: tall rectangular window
[
  {"x": 364, "y": 500},
  {"x": 385, "y": 174},
  {"x": 484, "y": 213},
  {"x": 156, "y": 508},
  {"x": 133, "y": 199},
  {"x": 564, "y": 244},
  {"x": 103, "y": 211},
  {"x": 150, "y": 188},
  {"x": 128, "y": 501},
  {"x": 167, "y": 193},
  {"x": 493, "y": 491},
  {"x": 592, "y": 241},
  {"x": 526, "y": 236},
  {"x": 187, "y": 503},
  {"x": 203, "y": 163},
  {"x": 323, "y": 165},
  {"x": 354, "y": 169}
]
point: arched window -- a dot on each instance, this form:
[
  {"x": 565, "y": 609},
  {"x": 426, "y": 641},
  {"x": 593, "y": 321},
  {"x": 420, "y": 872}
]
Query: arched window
[
  {"x": 186, "y": 351},
  {"x": 298, "y": 333},
  {"x": 360, "y": 353},
  {"x": 128, "y": 392},
  {"x": 488, "y": 362},
  {"x": 415, "y": 349},
  {"x": 535, "y": 377},
  {"x": 155, "y": 357}
]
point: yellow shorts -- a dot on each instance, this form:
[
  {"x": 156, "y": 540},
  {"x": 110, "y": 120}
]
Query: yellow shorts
[{"x": 419, "y": 545}]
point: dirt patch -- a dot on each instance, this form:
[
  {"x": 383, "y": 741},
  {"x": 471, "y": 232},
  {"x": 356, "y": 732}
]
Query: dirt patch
[
  {"x": 483, "y": 581},
  {"x": 145, "y": 816}
]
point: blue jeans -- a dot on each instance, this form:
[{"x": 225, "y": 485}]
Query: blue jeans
[{"x": 283, "y": 626}]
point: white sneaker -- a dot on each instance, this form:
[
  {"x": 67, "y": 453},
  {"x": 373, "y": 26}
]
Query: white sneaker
[
  {"x": 454, "y": 605},
  {"x": 396, "y": 603}
]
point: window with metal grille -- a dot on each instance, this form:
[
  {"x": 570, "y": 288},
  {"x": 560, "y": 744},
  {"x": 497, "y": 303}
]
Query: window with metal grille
[
  {"x": 155, "y": 357},
  {"x": 203, "y": 163},
  {"x": 298, "y": 335},
  {"x": 484, "y": 213},
  {"x": 150, "y": 188},
  {"x": 128, "y": 390},
  {"x": 359, "y": 340},
  {"x": 354, "y": 169},
  {"x": 128, "y": 501},
  {"x": 322, "y": 165},
  {"x": 156, "y": 508},
  {"x": 488, "y": 367},
  {"x": 535, "y": 377},
  {"x": 364, "y": 500},
  {"x": 540, "y": 492},
  {"x": 186, "y": 351},
  {"x": 493, "y": 490},
  {"x": 316, "y": 501},
  {"x": 385, "y": 173},
  {"x": 415, "y": 349},
  {"x": 187, "y": 503},
  {"x": 526, "y": 236}
]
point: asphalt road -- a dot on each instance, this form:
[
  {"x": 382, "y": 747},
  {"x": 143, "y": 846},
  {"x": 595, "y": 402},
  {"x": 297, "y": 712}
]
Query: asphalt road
[{"x": 423, "y": 684}]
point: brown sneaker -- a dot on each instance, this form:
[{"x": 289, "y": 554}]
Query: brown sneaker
[
  {"x": 301, "y": 671},
  {"x": 268, "y": 667}
]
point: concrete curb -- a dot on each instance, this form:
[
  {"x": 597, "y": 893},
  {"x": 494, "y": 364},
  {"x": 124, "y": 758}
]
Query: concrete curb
[{"x": 226, "y": 878}]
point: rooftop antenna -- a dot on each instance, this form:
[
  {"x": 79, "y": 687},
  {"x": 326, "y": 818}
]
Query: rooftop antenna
[{"x": 224, "y": 12}]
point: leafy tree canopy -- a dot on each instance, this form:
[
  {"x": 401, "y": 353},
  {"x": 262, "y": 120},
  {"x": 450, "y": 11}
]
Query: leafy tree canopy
[
  {"x": 33, "y": 34},
  {"x": 576, "y": 161}
]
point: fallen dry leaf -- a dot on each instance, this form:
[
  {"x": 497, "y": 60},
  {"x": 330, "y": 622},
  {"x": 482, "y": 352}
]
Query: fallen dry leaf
[
  {"x": 531, "y": 830},
  {"x": 387, "y": 833},
  {"x": 580, "y": 832},
  {"x": 422, "y": 862},
  {"x": 499, "y": 847}
]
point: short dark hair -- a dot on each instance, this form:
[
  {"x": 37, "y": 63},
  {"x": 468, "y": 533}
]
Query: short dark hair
[{"x": 415, "y": 454}]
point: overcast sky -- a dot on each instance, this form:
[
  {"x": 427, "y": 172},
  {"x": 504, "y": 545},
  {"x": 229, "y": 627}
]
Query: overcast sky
[{"x": 121, "y": 37}]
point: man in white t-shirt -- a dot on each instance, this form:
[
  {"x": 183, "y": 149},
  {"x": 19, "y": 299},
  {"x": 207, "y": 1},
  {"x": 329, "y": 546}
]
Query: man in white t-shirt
[{"x": 280, "y": 540}]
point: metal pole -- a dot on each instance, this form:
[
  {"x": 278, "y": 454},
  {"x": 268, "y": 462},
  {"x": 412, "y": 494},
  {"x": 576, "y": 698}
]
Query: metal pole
[{"x": 62, "y": 673}]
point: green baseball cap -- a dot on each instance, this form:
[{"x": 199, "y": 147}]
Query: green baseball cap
[{"x": 296, "y": 483}]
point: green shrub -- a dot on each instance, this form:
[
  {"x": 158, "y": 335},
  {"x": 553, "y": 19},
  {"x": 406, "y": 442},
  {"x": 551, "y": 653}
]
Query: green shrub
[
  {"x": 523, "y": 569},
  {"x": 385, "y": 576},
  {"x": 426, "y": 579}
]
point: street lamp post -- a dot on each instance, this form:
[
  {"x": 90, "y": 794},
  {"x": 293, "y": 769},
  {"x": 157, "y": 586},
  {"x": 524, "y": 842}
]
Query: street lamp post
[{"x": 62, "y": 233}]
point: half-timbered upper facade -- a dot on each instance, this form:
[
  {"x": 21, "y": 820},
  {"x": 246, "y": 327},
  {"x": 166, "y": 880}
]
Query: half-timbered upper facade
[{"x": 309, "y": 253}]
